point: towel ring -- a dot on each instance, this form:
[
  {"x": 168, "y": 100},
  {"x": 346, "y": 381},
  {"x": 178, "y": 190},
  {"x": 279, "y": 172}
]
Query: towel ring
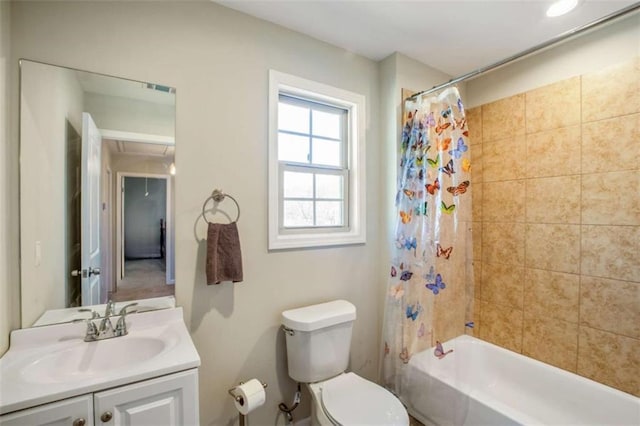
[{"x": 217, "y": 196}]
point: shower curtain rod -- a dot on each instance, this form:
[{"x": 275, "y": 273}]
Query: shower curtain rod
[{"x": 557, "y": 39}]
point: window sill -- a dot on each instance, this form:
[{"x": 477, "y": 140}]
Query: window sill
[{"x": 293, "y": 241}]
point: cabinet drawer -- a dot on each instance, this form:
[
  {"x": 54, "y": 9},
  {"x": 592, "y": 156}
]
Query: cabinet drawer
[{"x": 76, "y": 411}]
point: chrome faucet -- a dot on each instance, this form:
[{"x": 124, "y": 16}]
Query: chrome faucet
[
  {"x": 92, "y": 331},
  {"x": 106, "y": 330},
  {"x": 121, "y": 325},
  {"x": 110, "y": 309}
]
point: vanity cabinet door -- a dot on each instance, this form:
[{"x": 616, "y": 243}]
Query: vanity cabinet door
[
  {"x": 76, "y": 411},
  {"x": 167, "y": 400}
]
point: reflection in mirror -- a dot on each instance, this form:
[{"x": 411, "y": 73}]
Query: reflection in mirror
[{"x": 96, "y": 193}]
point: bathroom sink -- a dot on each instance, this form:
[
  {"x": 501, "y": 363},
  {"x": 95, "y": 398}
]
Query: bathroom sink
[
  {"x": 53, "y": 362},
  {"x": 83, "y": 360}
]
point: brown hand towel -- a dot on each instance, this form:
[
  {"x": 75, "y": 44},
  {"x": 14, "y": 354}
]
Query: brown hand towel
[{"x": 224, "y": 259}]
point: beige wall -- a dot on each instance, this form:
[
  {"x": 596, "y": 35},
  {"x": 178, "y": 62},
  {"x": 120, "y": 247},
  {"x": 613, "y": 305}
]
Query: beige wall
[
  {"x": 218, "y": 60},
  {"x": 50, "y": 98},
  {"x": 9, "y": 291},
  {"x": 558, "y": 216}
]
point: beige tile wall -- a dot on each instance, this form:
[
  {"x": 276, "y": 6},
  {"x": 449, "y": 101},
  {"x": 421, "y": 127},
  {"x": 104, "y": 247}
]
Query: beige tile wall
[{"x": 556, "y": 175}]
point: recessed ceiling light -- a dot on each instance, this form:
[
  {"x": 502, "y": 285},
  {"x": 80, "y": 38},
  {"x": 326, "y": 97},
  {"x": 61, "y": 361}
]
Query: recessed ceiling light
[{"x": 561, "y": 7}]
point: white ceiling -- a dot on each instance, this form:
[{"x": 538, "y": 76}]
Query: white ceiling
[{"x": 453, "y": 36}]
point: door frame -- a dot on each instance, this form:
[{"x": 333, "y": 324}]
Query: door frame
[
  {"x": 120, "y": 226},
  {"x": 107, "y": 233}
]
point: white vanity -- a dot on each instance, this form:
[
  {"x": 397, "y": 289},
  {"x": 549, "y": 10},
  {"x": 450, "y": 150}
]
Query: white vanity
[{"x": 50, "y": 375}]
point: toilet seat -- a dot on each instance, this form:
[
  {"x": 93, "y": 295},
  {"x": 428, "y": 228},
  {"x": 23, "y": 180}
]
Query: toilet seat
[{"x": 349, "y": 399}]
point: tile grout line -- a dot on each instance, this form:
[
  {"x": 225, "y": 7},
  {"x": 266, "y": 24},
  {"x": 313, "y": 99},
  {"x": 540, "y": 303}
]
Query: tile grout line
[
  {"x": 602, "y": 330},
  {"x": 481, "y": 218},
  {"x": 564, "y": 223},
  {"x": 581, "y": 231},
  {"x": 524, "y": 249}
]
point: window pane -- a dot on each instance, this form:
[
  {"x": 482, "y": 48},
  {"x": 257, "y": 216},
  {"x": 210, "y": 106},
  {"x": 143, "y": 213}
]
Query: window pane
[
  {"x": 298, "y": 213},
  {"x": 326, "y": 124},
  {"x": 329, "y": 213},
  {"x": 329, "y": 186},
  {"x": 293, "y": 118},
  {"x": 326, "y": 152},
  {"x": 298, "y": 185},
  {"x": 293, "y": 148}
]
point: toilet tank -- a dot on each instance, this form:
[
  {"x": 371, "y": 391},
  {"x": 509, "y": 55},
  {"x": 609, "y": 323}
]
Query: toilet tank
[{"x": 318, "y": 340}]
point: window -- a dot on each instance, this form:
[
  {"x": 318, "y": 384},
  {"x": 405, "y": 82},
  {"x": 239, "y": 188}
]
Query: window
[
  {"x": 312, "y": 160},
  {"x": 316, "y": 164}
]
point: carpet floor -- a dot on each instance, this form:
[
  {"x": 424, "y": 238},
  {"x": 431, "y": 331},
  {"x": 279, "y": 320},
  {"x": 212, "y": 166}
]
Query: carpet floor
[{"x": 143, "y": 278}]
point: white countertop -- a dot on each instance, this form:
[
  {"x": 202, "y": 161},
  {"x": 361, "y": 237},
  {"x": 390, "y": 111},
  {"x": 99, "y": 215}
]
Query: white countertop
[{"x": 23, "y": 382}]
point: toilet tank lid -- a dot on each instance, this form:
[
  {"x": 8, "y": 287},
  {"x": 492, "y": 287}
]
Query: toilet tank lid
[{"x": 322, "y": 315}]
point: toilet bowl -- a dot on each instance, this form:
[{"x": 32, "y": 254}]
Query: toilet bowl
[
  {"x": 349, "y": 399},
  {"x": 318, "y": 344}
]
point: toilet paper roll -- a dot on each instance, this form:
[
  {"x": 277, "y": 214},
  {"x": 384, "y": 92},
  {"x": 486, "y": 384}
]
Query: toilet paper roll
[{"x": 252, "y": 394}]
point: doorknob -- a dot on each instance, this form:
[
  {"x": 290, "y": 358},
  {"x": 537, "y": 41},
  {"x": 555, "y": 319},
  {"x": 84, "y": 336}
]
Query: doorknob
[
  {"x": 79, "y": 273},
  {"x": 84, "y": 273}
]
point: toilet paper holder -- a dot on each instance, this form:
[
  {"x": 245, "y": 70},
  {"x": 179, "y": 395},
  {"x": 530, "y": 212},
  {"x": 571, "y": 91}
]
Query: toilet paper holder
[{"x": 238, "y": 398}]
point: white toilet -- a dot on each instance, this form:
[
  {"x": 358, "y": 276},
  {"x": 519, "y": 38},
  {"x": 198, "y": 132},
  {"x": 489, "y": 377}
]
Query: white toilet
[{"x": 318, "y": 344}]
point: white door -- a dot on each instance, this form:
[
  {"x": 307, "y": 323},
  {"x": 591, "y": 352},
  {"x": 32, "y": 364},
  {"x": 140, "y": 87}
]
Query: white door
[
  {"x": 90, "y": 212},
  {"x": 170, "y": 401}
]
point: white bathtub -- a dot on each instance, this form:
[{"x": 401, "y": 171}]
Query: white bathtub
[{"x": 483, "y": 384}]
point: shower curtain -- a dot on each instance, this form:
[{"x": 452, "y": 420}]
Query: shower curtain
[{"x": 430, "y": 288}]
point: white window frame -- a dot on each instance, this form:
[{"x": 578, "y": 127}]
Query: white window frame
[{"x": 355, "y": 198}]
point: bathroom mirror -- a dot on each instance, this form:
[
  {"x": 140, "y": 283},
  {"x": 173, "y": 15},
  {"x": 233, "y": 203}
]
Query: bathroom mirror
[{"x": 96, "y": 193}]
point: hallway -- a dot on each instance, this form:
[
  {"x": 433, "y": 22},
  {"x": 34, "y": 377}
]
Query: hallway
[{"x": 144, "y": 278}]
